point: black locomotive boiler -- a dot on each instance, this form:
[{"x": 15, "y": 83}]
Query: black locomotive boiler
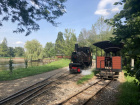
[{"x": 81, "y": 58}]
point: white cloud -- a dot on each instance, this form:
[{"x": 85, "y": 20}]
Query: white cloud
[
  {"x": 19, "y": 42},
  {"x": 33, "y": 4},
  {"x": 107, "y": 7},
  {"x": 102, "y": 12},
  {"x": 115, "y": 9}
]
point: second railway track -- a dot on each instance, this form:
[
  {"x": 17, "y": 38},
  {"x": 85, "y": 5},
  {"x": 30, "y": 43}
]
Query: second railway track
[
  {"x": 83, "y": 96},
  {"x": 33, "y": 91}
]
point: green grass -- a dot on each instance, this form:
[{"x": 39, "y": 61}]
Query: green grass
[
  {"x": 22, "y": 72},
  {"x": 129, "y": 93},
  {"x": 87, "y": 77}
]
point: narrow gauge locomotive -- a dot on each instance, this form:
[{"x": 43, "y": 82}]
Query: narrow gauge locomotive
[
  {"x": 81, "y": 59},
  {"x": 110, "y": 64}
]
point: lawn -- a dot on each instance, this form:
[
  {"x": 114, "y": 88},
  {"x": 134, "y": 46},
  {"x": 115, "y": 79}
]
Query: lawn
[
  {"x": 87, "y": 77},
  {"x": 129, "y": 93},
  {"x": 23, "y": 72}
]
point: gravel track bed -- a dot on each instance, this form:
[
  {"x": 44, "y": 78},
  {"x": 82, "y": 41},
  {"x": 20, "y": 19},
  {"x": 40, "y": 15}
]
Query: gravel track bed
[
  {"x": 62, "y": 91},
  {"x": 58, "y": 90},
  {"x": 62, "y": 76},
  {"x": 81, "y": 98},
  {"x": 108, "y": 95}
]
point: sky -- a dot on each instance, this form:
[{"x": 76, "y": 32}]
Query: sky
[{"x": 80, "y": 14}]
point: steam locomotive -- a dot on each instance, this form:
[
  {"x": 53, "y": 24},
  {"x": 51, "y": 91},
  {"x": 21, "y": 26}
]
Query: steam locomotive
[{"x": 81, "y": 58}]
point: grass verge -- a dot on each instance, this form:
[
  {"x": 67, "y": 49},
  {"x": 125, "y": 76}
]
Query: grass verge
[
  {"x": 128, "y": 92},
  {"x": 23, "y": 72},
  {"x": 87, "y": 77}
]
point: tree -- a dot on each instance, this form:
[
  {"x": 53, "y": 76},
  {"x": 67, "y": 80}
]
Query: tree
[
  {"x": 11, "y": 52},
  {"x": 49, "y": 49},
  {"x": 34, "y": 50},
  {"x": 59, "y": 39},
  {"x": 99, "y": 31},
  {"x": 69, "y": 43},
  {"x": 81, "y": 40},
  {"x": 127, "y": 29},
  {"x": 4, "y": 48},
  {"x": 26, "y": 12},
  {"x": 19, "y": 51}
]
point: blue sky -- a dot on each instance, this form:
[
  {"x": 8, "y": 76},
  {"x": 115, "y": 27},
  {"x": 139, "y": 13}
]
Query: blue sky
[{"x": 80, "y": 14}]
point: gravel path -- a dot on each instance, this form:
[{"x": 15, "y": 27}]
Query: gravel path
[{"x": 8, "y": 88}]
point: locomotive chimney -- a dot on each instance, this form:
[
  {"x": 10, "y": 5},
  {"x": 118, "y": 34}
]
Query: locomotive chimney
[{"x": 76, "y": 47}]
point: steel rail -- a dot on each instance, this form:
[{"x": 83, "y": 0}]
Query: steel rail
[
  {"x": 98, "y": 92},
  {"x": 31, "y": 94},
  {"x": 61, "y": 103},
  {"x": 25, "y": 90},
  {"x": 30, "y": 97}
]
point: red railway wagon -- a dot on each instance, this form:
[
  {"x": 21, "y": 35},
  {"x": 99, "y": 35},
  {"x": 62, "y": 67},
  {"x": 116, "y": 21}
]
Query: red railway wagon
[{"x": 111, "y": 63}]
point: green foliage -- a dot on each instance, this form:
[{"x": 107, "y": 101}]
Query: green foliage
[
  {"x": 26, "y": 63},
  {"x": 11, "y": 52},
  {"x": 4, "y": 48},
  {"x": 34, "y": 50},
  {"x": 6, "y": 51},
  {"x": 127, "y": 29},
  {"x": 30, "y": 71},
  {"x": 69, "y": 43},
  {"x": 26, "y": 13},
  {"x": 59, "y": 40},
  {"x": 99, "y": 31},
  {"x": 129, "y": 92},
  {"x": 19, "y": 51},
  {"x": 49, "y": 50},
  {"x": 11, "y": 65}
]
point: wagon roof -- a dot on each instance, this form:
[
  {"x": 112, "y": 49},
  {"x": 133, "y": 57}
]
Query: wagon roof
[{"x": 108, "y": 46}]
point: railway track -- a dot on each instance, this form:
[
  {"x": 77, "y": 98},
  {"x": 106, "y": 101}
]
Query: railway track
[
  {"x": 27, "y": 94},
  {"x": 85, "y": 95}
]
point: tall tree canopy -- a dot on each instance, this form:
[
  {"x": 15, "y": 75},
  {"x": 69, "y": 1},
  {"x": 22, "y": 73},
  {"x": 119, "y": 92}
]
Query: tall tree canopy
[
  {"x": 4, "y": 48},
  {"x": 26, "y": 12},
  {"x": 127, "y": 29},
  {"x": 19, "y": 51},
  {"x": 49, "y": 50},
  {"x": 34, "y": 50},
  {"x": 99, "y": 31},
  {"x": 59, "y": 40},
  {"x": 11, "y": 52},
  {"x": 126, "y": 23},
  {"x": 68, "y": 46}
]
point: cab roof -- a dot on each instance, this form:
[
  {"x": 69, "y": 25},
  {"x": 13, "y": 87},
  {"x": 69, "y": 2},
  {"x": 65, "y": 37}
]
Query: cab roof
[{"x": 108, "y": 46}]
